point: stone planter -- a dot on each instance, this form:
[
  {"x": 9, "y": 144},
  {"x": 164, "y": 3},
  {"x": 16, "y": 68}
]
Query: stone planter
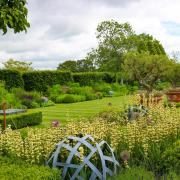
[{"x": 173, "y": 95}]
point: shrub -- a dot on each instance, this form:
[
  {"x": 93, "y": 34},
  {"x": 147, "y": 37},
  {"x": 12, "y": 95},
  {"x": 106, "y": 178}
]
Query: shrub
[
  {"x": 9, "y": 98},
  {"x": 41, "y": 80},
  {"x": 103, "y": 87},
  {"x": 171, "y": 157},
  {"x": 11, "y": 78},
  {"x": 23, "y": 120},
  {"x": 47, "y": 104},
  {"x": 70, "y": 98},
  {"x": 15, "y": 168},
  {"x": 112, "y": 115},
  {"x": 29, "y": 100},
  {"x": 162, "y": 86}
]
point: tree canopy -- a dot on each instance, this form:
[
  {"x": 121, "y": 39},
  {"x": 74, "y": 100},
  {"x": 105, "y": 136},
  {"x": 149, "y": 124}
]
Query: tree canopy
[
  {"x": 145, "y": 68},
  {"x": 115, "y": 40},
  {"x": 76, "y": 66},
  {"x": 13, "y": 15},
  {"x": 21, "y": 66}
]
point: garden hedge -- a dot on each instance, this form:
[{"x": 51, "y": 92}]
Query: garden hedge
[
  {"x": 89, "y": 78},
  {"x": 11, "y": 78},
  {"x": 41, "y": 80},
  {"x": 23, "y": 120},
  {"x": 12, "y": 167}
]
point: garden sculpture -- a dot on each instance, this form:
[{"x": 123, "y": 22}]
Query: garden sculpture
[{"x": 84, "y": 148}]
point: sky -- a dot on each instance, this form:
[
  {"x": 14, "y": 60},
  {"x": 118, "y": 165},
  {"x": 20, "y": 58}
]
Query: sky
[{"x": 65, "y": 29}]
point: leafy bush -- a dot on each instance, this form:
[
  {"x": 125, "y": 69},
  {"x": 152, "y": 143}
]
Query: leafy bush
[
  {"x": 11, "y": 78},
  {"x": 120, "y": 90},
  {"x": 70, "y": 98},
  {"x": 112, "y": 115},
  {"x": 9, "y": 98},
  {"x": 48, "y": 103},
  {"x": 15, "y": 168},
  {"x": 18, "y": 121},
  {"x": 105, "y": 88},
  {"x": 171, "y": 157},
  {"x": 29, "y": 100},
  {"x": 41, "y": 80},
  {"x": 162, "y": 86}
]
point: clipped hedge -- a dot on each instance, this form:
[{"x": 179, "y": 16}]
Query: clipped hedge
[
  {"x": 41, "y": 80},
  {"x": 11, "y": 78},
  {"x": 18, "y": 121},
  {"x": 89, "y": 78},
  {"x": 15, "y": 168}
]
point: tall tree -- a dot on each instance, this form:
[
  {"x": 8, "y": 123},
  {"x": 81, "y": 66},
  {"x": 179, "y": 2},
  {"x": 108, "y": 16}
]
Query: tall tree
[
  {"x": 68, "y": 65},
  {"x": 85, "y": 65},
  {"x": 21, "y": 66},
  {"x": 112, "y": 43},
  {"x": 82, "y": 65},
  {"x": 115, "y": 40},
  {"x": 13, "y": 15}
]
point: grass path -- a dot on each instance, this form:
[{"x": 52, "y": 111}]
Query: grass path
[{"x": 75, "y": 111}]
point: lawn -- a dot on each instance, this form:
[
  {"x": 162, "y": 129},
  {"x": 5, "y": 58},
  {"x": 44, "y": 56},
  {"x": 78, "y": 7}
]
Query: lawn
[{"x": 76, "y": 111}]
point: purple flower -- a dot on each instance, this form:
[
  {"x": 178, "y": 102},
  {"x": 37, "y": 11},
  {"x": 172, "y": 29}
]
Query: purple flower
[
  {"x": 55, "y": 123},
  {"x": 28, "y": 97}
]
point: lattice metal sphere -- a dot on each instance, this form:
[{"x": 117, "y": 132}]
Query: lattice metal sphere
[{"x": 82, "y": 158}]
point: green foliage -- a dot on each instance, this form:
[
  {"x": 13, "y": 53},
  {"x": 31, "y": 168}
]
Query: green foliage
[
  {"x": 115, "y": 40},
  {"x": 89, "y": 78},
  {"x": 70, "y": 98},
  {"x": 10, "y": 99},
  {"x": 41, "y": 80},
  {"x": 146, "y": 43},
  {"x": 48, "y": 103},
  {"x": 112, "y": 114},
  {"x": 11, "y": 78},
  {"x": 120, "y": 90},
  {"x": 13, "y": 15},
  {"x": 171, "y": 157},
  {"x": 68, "y": 65},
  {"x": 112, "y": 43},
  {"x": 20, "y": 66},
  {"x": 135, "y": 173},
  {"x": 146, "y": 69},
  {"x": 173, "y": 73},
  {"x": 29, "y": 100},
  {"x": 18, "y": 121},
  {"x": 15, "y": 168},
  {"x": 105, "y": 88},
  {"x": 83, "y": 65},
  {"x": 162, "y": 86}
]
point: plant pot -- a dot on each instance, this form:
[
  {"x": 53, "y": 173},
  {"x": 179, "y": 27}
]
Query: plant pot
[{"x": 173, "y": 95}]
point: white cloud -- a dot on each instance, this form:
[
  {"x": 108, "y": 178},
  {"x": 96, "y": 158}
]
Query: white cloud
[{"x": 63, "y": 30}]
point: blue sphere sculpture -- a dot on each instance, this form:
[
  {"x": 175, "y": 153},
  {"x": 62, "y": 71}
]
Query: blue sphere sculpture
[{"x": 74, "y": 146}]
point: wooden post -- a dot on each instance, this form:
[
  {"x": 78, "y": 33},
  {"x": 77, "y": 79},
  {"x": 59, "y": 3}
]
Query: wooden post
[{"x": 4, "y": 114}]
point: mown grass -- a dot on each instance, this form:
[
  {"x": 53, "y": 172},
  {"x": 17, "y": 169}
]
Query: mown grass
[{"x": 76, "y": 111}]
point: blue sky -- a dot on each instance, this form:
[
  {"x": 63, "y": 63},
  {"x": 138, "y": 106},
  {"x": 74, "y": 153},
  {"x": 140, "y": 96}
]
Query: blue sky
[
  {"x": 172, "y": 28},
  {"x": 62, "y": 30}
]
